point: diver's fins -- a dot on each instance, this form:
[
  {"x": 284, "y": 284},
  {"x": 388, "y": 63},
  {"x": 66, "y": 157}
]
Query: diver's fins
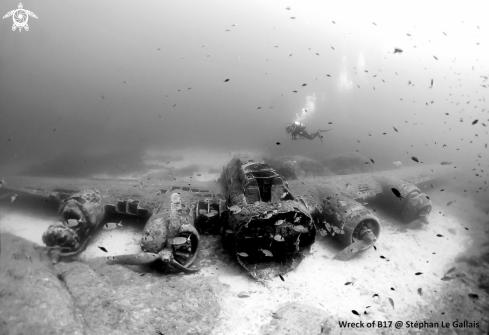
[{"x": 322, "y": 131}]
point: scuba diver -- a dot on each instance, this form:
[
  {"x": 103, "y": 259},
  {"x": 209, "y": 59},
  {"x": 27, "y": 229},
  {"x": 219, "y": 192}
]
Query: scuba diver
[{"x": 298, "y": 128}]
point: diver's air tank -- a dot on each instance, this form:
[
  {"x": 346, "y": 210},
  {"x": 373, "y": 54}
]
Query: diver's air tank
[{"x": 413, "y": 204}]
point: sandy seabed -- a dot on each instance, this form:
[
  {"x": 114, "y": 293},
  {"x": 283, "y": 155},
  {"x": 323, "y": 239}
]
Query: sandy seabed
[{"x": 320, "y": 280}]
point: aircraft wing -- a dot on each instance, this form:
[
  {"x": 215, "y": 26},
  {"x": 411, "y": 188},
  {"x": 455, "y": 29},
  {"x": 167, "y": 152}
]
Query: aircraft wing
[
  {"x": 148, "y": 194},
  {"x": 362, "y": 186}
]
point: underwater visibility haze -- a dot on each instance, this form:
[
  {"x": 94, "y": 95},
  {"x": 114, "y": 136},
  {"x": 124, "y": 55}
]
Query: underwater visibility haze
[{"x": 175, "y": 91}]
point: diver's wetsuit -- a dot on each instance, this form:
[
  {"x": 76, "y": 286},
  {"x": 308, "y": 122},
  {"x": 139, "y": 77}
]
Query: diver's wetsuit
[{"x": 299, "y": 129}]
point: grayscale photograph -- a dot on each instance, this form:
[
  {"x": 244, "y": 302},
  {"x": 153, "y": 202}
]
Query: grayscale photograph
[{"x": 231, "y": 167}]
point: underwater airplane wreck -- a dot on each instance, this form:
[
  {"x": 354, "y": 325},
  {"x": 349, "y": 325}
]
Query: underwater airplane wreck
[{"x": 267, "y": 222}]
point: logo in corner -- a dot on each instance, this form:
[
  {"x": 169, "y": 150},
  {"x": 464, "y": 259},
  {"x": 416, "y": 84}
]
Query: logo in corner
[{"x": 20, "y": 17}]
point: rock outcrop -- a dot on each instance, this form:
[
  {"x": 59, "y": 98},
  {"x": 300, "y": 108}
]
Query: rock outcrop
[{"x": 93, "y": 298}]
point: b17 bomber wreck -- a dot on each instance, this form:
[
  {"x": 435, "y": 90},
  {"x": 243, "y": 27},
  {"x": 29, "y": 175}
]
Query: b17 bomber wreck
[
  {"x": 268, "y": 223},
  {"x": 266, "y": 226}
]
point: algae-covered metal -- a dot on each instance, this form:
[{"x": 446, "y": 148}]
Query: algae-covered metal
[
  {"x": 267, "y": 222},
  {"x": 169, "y": 237},
  {"x": 266, "y": 226},
  {"x": 338, "y": 215},
  {"x": 412, "y": 203}
]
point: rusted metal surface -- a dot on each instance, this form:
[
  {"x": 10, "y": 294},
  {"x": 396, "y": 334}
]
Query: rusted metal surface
[
  {"x": 86, "y": 209},
  {"x": 271, "y": 229},
  {"x": 174, "y": 219},
  {"x": 412, "y": 205}
]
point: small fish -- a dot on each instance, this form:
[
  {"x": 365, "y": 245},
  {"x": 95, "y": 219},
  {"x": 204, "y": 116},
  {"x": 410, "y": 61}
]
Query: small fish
[
  {"x": 392, "y": 302},
  {"x": 395, "y": 129},
  {"x": 112, "y": 225},
  {"x": 288, "y": 8},
  {"x": 355, "y": 312},
  {"x": 418, "y": 273},
  {"x": 235, "y": 209},
  {"x": 102, "y": 97},
  {"x": 300, "y": 229},
  {"x": 279, "y": 222},
  {"x": 439, "y": 235},
  {"x": 415, "y": 159},
  {"x": 142, "y": 274},
  {"x": 451, "y": 270},
  {"x": 338, "y": 230},
  {"x": 12, "y": 198},
  {"x": 375, "y": 248},
  {"x": 349, "y": 283},
  {"x": 397, "y": 193},
  {"x": 382, "y": 257},
  {"x": 435, "y": 57},
  {"x": 2, "y": 182},
  {"x": 297, "y": 219},
  {"x": 281, "y": 277},
  {"x": 242, "y": 254},
  {"x": 179, "y": 240},
  {"x": 375, "y": 295},
  {"x": 397, "y": 163},
  {"x": 446, "y": 163},
  {"x": 431, "y": 83},
  {"x": 229, "y": 231},
  {"x": 277, "y": 316},
  {"x": 397, "y": 50},
  {"x": 474, "y": 122},
  {"x": 211, "y": 214},
  {"x": 279, "y": 238},
  {"x": 198, "y": 175},
  {"x": 278, "y": 143},
  {"x": 267, "y": 252},
  {"x": 304, "y": 84},
  {"x": 227, "y": 80},
  {"x": 473, "y": 296},
  {"x": 243, "y": 295},
  {"x": 420, "y": 291},
  {"x": 449, "y": 203},
  {"x": 103, "y": 249}
]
